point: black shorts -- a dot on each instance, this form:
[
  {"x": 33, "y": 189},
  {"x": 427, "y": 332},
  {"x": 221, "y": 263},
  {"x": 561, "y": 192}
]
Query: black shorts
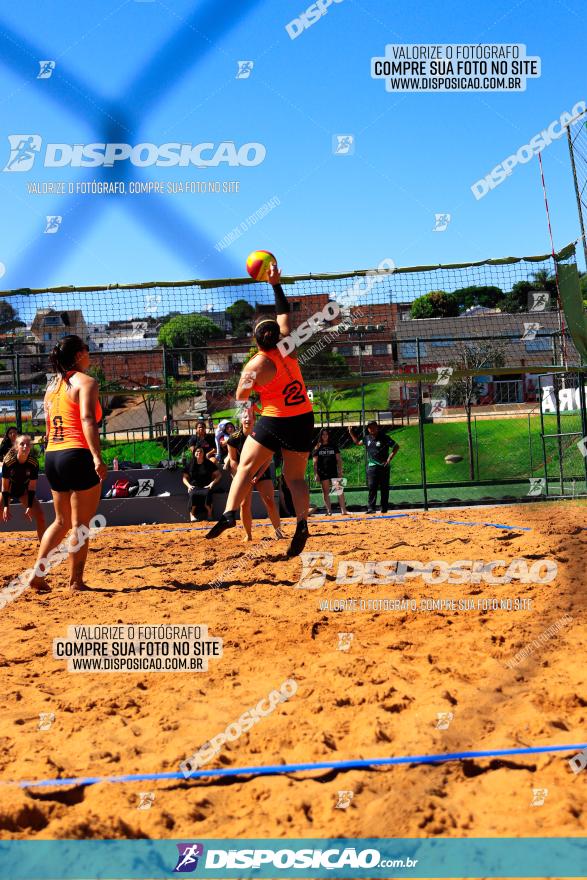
[
  {"x": 71, "y": 470},
  {"x": 327, "y": 473},
  {"x": 294, "y": 433}
]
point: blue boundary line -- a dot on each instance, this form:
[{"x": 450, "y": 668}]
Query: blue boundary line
[
  {"x": 451, "y": 522},
  {"x": 278, "y": 769}
]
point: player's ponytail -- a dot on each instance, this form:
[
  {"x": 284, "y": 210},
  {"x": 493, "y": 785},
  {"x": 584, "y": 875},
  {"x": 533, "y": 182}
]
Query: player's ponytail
[
  {"x": 63, "y": 356},
  {"x": 267, "y": 334}
]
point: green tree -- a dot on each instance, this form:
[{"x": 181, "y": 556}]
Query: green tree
[
  {"x": 189, "y": 331},
  {"x": 461, "y": 391},
  {"x": 325, "y": 401},
  {"x": 323, "y": 364},
  {"x": 8, "y": 317},
  {"x": 477, "y": 295},
  {"x": 241, "y": 315},
  {"x": 517, "y": 299},
  {"x": 436, "y": 304}
]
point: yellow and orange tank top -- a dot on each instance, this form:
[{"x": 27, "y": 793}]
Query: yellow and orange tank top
[
  {"x": 64, "y": 424},
  {"x": 285, "y": 395}
]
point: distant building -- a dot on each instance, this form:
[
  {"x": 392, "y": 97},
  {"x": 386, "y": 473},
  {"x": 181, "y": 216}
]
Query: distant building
[{"x": 50, "y": 325}]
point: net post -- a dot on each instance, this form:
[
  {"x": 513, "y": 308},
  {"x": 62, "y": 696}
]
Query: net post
[
  {"x": 421, "y": 428},
  {"x": 18, "y": 401},
  {"x": 167, "y": 415}
]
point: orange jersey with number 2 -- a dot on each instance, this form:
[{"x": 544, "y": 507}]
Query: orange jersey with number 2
[
  {"x": 285, "y": 395},
  {"x": 64, "y": 423}
]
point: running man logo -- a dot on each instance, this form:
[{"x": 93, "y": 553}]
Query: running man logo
[
  {"x": 537, "y": 486},
  {"x": 146, "y": 800},
  {"x": 437, "y": 406},
  {"x": 530, "y": 330},
  {"x": 53, "y": 224},
  {"x": 443, "y": 375},
  {"x": 443, "y": 720},
  {"x": 344, "y": 641},
  {"x": 23, "y": 151},
  {"x": 46, "y": 69},
  {"x": 441, "y": 222},
  {"x": 248, "y": 379},
  {"x": 538, "y": 300},
  {"x": 46, "y": 719},
  {"x": 338, "y": 484},
  {"x": 539, "y": 795},
  {"x": 152, "y": 304},
  {"x": 314, "y": 568},
  {"x": 582, "y": 446},
  {"x": 344, "y": 799},
  {"x": 343, "y": 144},
  {"x": 578, "y": 762},
  {"x": 187, "y": 861},
  {"x": 245, "y": 68}
]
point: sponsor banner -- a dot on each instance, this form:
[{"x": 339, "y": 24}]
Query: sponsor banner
[{"x": 312, "y": 857}]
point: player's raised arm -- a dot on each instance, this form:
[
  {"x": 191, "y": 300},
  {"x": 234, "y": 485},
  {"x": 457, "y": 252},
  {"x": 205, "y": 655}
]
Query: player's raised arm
[{"x": 282, "y": 307}]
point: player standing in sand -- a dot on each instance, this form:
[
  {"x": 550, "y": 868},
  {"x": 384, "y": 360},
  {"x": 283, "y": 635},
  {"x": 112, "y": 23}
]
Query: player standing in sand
[
  {"x": 286, "y": 422},
  {"x": 73, "y": 461},
  {"x": 263, "y": 482}
]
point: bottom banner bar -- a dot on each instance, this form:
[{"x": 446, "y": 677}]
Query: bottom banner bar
[{"x": 335, "y": 858}]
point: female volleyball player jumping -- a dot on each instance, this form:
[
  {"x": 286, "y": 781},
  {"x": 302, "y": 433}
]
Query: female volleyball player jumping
[
  {"x": 286, "y": 422},
  {"x": 73, "y": 461}
]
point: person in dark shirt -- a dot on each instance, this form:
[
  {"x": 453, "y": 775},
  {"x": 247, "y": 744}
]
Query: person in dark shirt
[
  {"x": 20, "y": 472},
  {"x": 200, "y": 475},
  {"x": 7, "y": 441},
  {"x": 328, "y": 470},
  {"x": 200, "y": 438},
  {"x": 380, "y": 450},
  {"x": 262, "y": 482}
]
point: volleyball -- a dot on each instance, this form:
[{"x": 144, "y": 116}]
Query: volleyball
[{"x": 258, "y": 263}]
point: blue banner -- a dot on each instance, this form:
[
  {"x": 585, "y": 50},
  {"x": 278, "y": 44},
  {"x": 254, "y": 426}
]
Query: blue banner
[{"x": 340, "y": 858}]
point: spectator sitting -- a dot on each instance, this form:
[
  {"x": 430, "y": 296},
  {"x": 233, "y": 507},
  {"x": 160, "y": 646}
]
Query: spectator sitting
[
  {"x": 222, "y": 434},
  {"x": 200, "y": 475}
]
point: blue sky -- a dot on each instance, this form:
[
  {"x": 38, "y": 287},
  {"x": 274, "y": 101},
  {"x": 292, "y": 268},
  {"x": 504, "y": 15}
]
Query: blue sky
[{"x": 163, "y": 72}]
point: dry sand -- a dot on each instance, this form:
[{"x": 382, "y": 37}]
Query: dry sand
[{"x": 380, "y": 698}]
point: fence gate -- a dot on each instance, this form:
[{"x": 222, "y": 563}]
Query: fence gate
[{"x": 563, "y": 428}]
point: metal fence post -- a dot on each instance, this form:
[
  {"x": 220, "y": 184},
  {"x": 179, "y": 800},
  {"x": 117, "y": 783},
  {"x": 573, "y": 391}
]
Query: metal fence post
[
  {"x": 421, "y": 429},
  {"x": 18, "y": 401},
  {"x": 167, "y": 414}
]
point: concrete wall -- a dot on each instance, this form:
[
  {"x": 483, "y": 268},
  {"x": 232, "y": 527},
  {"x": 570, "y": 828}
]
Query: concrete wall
[{"x": 137, "y": 511}]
